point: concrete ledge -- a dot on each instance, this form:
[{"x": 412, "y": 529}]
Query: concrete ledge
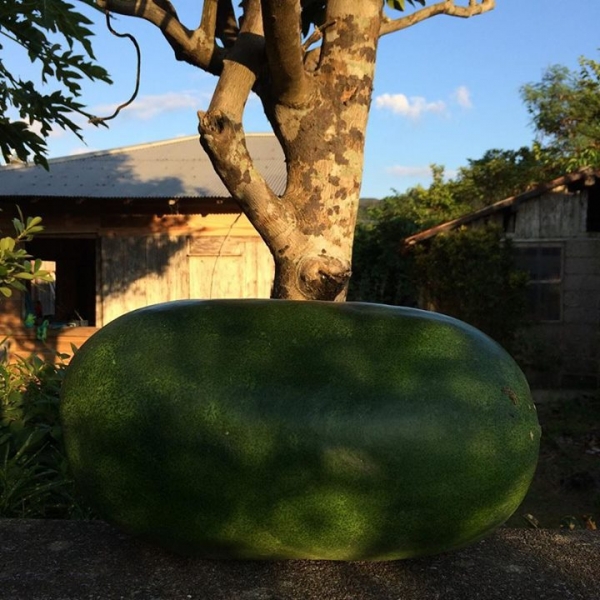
[{"x": 86, "y": 560}]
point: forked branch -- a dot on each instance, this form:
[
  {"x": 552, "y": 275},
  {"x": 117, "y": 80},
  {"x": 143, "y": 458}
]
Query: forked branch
[
  {"x": 193, "y": 46},
  {"x": 221, "y": 132},
  {"x": 447, "y": 7}
]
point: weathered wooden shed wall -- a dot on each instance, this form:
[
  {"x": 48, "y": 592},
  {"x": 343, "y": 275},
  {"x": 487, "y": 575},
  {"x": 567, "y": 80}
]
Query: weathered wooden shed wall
[
  {"x": 567, "y": 349},
  {"x": 551, "y": 216},
  {"x": 134, "y": 226},
  {"x": 559, "y": 222},
  {"x": 144, "y": 261},
  {"x": 219, "y": 256}
]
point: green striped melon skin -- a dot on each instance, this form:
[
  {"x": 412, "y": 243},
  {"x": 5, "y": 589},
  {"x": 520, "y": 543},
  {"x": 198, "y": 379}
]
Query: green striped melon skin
[{"x": 274, "y": 429}]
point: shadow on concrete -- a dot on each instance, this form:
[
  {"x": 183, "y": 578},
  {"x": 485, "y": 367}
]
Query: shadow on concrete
[{"x": 71, "y": 560}]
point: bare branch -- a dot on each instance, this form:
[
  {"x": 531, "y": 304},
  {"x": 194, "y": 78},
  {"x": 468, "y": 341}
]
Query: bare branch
[
  {"x": 194, "y": 47},
  {"x": 285, "y": 53},
  {"x": 208, "y": 23},
  {"x": 241, "y": 66},
  {"x": 222, "y": 135},
  {"x": 224, "y": 142},
  {"x": 447, "y": 7},
  {"x": 227, "y": 27}
]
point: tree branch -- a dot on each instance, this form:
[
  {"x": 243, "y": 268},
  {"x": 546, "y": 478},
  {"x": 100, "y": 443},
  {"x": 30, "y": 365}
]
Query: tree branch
[
  {"x": 227, "y": 27},
  {"x": 241, "y": 66},
  {"x": 447, "y": 7},
  {"x": 225, "y": 143},
  {"x": 222, "y": 135},
  {"x": 208, "y": 22},
  {"x": 291, "y": 85},
  {"x": 195, "y": 47}
]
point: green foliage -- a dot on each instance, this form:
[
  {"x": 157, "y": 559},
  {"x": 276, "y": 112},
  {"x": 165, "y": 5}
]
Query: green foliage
[
  {"x": 380, "y": 273},
  {"x": 565, "y": 109},
  {"x": 470, "y": 274},
  {"x": 401, "y": 4},
  {"x": 423, "y": 207},
  {"x": 499, "y": 174},
  {"x": 16, "y": 266},
  {"x": 47, "y": 32},
  {"x": 34, "y": 476},
  {"x": 439, "y": 202}
]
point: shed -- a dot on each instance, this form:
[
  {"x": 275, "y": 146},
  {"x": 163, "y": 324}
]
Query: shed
[
  {"x": 130, "y": 227},
  {"x": 555, "y": 229}
]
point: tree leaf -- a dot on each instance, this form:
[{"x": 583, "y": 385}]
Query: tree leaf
[{"x": 397, "y": 4}]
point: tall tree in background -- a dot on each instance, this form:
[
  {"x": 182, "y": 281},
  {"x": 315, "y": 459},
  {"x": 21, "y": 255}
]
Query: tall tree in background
[
  {"x": 52, "y": 35},
  {"x": 565, "y": 110},
  {"x": 311, "y": 63},
  {"x": 499, "y": 174}
]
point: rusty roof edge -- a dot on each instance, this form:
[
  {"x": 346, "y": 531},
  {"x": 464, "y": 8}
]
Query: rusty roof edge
[{"x": 582, "y": 173}]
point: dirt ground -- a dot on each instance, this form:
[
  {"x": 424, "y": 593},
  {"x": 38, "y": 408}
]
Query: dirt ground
[{"x": 565, "y": 492}]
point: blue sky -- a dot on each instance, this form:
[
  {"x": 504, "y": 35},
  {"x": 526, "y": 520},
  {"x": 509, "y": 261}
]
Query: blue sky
[{"x": 446, "y": 90}]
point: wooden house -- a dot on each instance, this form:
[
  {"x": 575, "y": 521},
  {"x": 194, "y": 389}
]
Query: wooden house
[
  {"x": 555, "y": 229},
  {"x": 131, "y": 227}
]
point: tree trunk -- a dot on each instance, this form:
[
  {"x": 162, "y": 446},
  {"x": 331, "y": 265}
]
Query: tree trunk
[
  {"x": 321, "y": 127},
  {"x": 316, "y": 98}
]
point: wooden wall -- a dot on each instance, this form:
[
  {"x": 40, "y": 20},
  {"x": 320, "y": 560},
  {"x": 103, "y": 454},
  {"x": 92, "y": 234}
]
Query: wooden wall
[
  {"x": 551, "y": 215},
  {"x": 569, "y": 348},
  {"x": 146, "y": 260},
  {"x": 137, "y": 271},
  {"x": 222, "y": 267}
]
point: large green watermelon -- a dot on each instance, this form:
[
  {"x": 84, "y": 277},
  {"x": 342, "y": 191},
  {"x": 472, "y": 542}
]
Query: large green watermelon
[{"x": 279, "y": 429}]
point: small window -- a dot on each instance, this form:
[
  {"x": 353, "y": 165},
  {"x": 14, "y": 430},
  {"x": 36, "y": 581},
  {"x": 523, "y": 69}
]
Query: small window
[
  {"x": 42, "y": 297},
  {"x": 593, "y": 208},
  {"x": 543, "y": 264},
  {"x": 71, "y": 297},
  {"x": 509, "y": 220}
]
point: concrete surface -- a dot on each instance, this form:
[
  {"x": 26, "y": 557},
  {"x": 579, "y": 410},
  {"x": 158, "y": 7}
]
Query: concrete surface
[{"x": 77, "y": 560}]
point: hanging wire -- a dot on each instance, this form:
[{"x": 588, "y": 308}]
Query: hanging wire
[
  {"x": 101, "y": 120},
  {"x": 219, "y": 254}
]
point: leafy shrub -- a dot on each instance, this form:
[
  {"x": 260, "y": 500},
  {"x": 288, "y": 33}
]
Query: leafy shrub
[
  {"x": 16, "y": 266},
  {"x": 380, "y": 272},
  {"x": 34, "y": 477},
  {"x": 470, "y": 274}
]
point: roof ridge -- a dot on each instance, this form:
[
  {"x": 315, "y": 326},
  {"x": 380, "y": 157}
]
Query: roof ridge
[{"x": 119, "y": 150}]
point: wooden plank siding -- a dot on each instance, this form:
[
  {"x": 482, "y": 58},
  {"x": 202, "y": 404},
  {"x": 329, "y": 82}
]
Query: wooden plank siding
[
  {"x": 553, "y": 215},
  {"x": 139, "y": 271},
  {"x": 144, "y": 260},
  {"x": 223, "y": 267}
]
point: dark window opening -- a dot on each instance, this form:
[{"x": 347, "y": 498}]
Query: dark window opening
[
  {"x": 509, "y": 220},
  {"x": 72, "y": 296},
  {"x": 543, "y": 264},
  {"x": 593, "y": 208}
]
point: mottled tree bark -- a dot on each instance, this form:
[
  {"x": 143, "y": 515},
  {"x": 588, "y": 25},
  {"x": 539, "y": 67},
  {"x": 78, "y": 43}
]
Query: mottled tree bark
[{"x": 316, "y": 94}]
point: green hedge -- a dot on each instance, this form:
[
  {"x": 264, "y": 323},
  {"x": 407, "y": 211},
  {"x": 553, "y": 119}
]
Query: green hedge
[{"x": 470, "y": 274}]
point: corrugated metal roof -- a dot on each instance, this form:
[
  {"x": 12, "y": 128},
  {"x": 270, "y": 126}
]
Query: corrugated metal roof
[{"x": 176, "y": 168}]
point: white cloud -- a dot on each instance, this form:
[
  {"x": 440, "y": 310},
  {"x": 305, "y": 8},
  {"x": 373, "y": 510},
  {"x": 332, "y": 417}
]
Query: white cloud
[
  {"x": 413, "y": 107},
  {"x": 145, "y": 108},
  {"x": 420, "y": 172},
  {"x": 405, "y": 171},
  {"x": 462, "y": 96}
]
